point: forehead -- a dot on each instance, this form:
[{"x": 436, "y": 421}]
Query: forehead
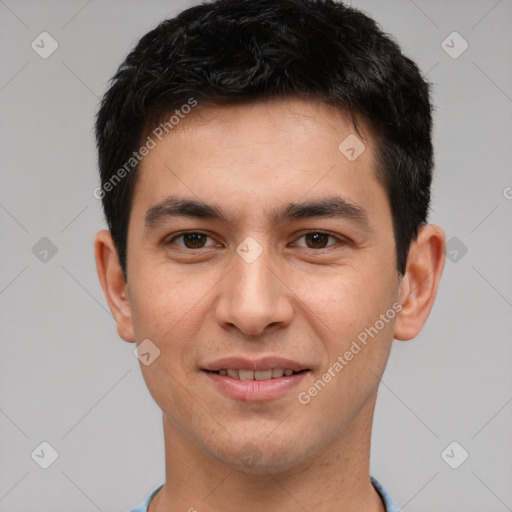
[{"x": 251, "y": 157}]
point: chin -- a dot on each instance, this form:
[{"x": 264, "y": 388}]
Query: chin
[{"x": 262, "y": 456}]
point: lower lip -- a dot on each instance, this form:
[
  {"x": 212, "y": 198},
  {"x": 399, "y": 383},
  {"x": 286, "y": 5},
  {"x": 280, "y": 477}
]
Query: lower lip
[{"x": 255, "y": 390}]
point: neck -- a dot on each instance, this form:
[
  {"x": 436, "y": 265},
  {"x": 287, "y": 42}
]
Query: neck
[{"x": 337, "y": 479}]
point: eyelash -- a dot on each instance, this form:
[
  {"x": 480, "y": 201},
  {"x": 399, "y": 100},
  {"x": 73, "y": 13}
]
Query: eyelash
[{"x": 183, "y": 233}]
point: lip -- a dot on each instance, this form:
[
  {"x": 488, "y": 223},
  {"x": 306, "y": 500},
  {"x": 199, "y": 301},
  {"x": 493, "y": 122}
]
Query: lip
[
  {"x": 254, "y": 390},
  {"x": 264, "y": 363}
]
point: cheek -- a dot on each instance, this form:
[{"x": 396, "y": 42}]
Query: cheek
[
  {"x": 165, "y": 303},
  {"x": 169, "y": 309},
  {"x": 357, "y": 315},
  {"x": 358, "y": 342},
  {"x": 164, "y": 310},
  {"x": 366, "y": 330},
  {"x": 350, "y": 300}
]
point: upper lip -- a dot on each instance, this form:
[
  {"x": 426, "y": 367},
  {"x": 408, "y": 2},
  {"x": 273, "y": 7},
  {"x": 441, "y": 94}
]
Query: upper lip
[{"x": 261, "y": 364}]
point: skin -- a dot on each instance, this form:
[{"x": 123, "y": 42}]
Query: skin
[{"x": 301, "y": 299}]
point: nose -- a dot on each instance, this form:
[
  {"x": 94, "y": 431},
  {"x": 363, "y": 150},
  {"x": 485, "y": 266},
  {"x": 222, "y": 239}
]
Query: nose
[{"x": 254, "y": 298}]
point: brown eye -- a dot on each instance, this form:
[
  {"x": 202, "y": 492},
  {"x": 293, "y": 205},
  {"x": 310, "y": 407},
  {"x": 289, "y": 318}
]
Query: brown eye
[
  {"x": 194, "y": 240},
  {"x": 191, "y": 240},
  {"x": 317, "y": 240}
]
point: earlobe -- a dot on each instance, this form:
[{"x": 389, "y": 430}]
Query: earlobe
[
  {"x": 114, "y": 286},
  {"x": 420, "y": 282}
]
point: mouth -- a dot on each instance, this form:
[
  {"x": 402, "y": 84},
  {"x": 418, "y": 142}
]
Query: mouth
[
  {"x": 255, "y": 380},
  {"x": 242, "y": 374}
]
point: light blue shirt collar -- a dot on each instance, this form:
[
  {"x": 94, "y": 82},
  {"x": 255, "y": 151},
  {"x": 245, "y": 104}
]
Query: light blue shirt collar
[{"x": 390, "y": 507}]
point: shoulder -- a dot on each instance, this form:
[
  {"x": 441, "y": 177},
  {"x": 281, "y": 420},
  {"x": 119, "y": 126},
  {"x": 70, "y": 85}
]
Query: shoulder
[
  {"x": 386, "y": 498},
  {"x": 144, "y": 506}
]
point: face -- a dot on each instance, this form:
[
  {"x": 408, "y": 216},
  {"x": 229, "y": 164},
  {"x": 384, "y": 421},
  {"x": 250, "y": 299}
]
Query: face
[{"x": 256, "y": 278}]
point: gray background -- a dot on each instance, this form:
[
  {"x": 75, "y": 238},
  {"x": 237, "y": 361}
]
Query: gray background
[{"x": 66, "y": 377}]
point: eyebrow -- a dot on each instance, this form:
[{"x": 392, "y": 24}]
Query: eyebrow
[{"x": 329, "y": 207}]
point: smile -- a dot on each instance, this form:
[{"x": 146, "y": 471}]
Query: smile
[{"x": 275, "y": 373}]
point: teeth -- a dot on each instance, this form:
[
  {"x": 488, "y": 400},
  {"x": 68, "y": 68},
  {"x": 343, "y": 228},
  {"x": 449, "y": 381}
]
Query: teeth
[
  {"x": 263, "y": 375},
  {"x": 246, "y": 374},
  {"x": 275, "y": 373}
]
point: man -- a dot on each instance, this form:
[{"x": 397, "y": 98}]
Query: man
[{"x": 265, "y": 175}]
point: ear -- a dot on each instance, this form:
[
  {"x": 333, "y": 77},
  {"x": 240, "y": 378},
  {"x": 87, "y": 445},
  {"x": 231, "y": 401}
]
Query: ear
[
  {"x": 420, "y": 282},
  {"x": 114, "y": 286}
]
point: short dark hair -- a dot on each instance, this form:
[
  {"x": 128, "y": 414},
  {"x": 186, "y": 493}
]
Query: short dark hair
[{"x": 232, "y": 51}]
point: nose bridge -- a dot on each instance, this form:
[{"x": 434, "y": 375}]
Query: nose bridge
[{"x": 253, "y": 297}]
